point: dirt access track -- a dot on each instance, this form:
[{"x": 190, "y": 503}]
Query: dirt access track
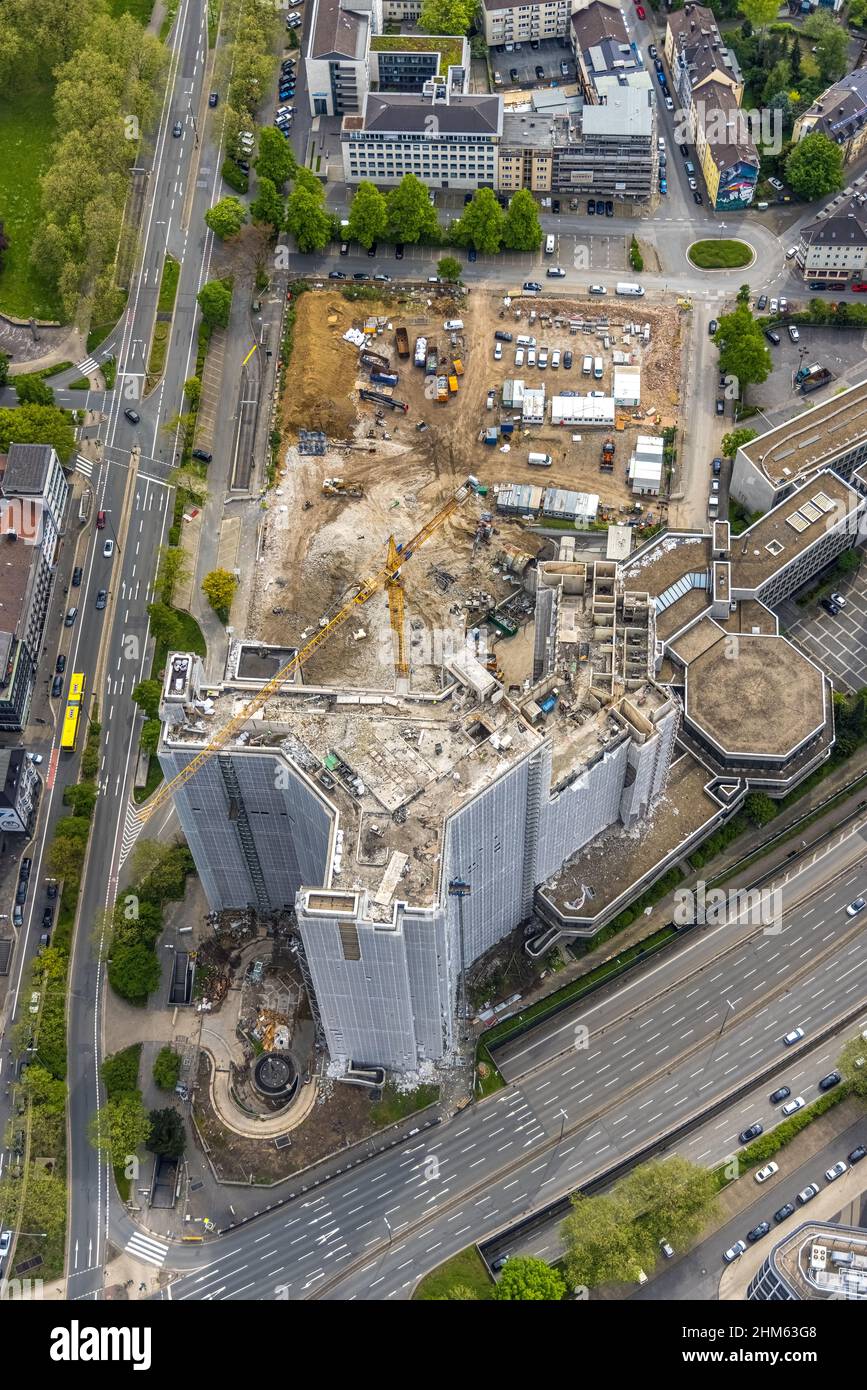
[{"x": 316, "y": 549}]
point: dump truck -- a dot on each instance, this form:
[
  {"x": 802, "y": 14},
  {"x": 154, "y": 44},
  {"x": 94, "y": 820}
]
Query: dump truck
[
  {"x": 433, "y": 361},
  {"x": 374, "y": 360},
  {"x": 453, "y": 384},
  {"x": 420, "y": 357},
  {"x": 384, "y": 378},
  {"x": 379, "y": 398},
  {"x": 457, "y": 367},
  {"x": 606, "y": 463},
  {"x": 815, "y": 380},
  {"x": 442, "y": 388},
  {"x": 401, "y": 341}
]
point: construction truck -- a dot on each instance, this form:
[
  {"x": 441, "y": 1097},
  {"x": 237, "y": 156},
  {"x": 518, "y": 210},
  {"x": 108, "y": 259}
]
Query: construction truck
[
  {"x": 442, "y": 388},
  {"x": 374, "y": 360},
  {"x": 384, "y": 378},
  {"x": 811, "y": 378},
  {"x": 401, "y": 340},
  {"x": 339, "y": 487},
  {"x": 606, "y": 463},
  {"x": 457, "y": 367},
  {"x": 453, "y": 384},
  {"x": 433, "y": 361}
]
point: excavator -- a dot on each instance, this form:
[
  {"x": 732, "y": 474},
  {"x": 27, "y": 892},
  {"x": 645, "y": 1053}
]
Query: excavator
[{"x": 388, "y": 578}]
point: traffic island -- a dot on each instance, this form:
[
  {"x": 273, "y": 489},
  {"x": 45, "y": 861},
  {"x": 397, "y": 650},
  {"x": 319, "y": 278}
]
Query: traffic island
[{"x": 720, "y": 254}]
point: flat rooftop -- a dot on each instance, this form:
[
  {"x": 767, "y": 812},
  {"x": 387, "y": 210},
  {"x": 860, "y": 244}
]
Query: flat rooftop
[
  {"x": 805, "y": 1258},
  {"x": 606, "y": 869},
  {"x": 17, "y": 562},
  {"x": 756, "y": 696},
  {"x": 668, "y": 559},
  {"x": 790, "y": 528},
  {"x": 810, "y": 441}
]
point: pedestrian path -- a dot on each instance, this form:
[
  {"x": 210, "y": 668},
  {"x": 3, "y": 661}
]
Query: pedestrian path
[
  {"x": 83, "y": 465},
  {"x": 143, "y": 1247}
]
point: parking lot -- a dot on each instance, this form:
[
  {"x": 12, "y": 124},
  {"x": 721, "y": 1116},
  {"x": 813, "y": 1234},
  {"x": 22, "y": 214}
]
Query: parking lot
[
  {"x": 838, "y": 644},
  {"x": 524, "y": 60},
  {"x": 842, "y": 350}
]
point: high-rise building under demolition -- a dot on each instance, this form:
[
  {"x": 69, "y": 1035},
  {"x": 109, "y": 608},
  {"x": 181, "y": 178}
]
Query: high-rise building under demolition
[{"x": 409, "y": 832}]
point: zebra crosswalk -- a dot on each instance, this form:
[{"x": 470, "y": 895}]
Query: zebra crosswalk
[
  {"x": 89, "y": 365},
  {"x": 83, "y": 465},
  {"x": 143, "y": 1247}
]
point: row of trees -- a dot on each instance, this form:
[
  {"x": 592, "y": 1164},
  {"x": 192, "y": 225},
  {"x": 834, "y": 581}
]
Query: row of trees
[
  {"x": 122, "y": 1126},
  {"x": 108, "y": 91},
  {"x": 159, "y": 876}
]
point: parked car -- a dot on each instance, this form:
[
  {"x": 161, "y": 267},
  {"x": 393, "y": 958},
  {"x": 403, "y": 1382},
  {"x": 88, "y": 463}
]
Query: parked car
[
  {"x": 684, "y": 150},
  {"x": 835, "y": 1172},
  {"x": 70, "y": 618},
  {"x": 344, "y": 248},
  {"x": 829, "y": 606},
  {"x": 17, "y": 916},
  {"x": 762, "y": 302},
  {"x": 666, "y": 1249},
  {"x": 767, "y": 1172},
  {"x": 567, "y": 359},
  {"x": 385, "y": 279},
  {"x": 398, "y": 251},
  {"x": 782, "y": 1093},
  {"x": 202, "y": 455},
  {"x": 734, "y": 1251},
  {"x": 532, "y": 286},
  {"x": 337, "y": 274},
  {"x": 47, "y": 918},
  {"x": 652, "y": 50},
  {"x": 772, "y": 337},
  {"x": 472, "y": 253},
  {"x": 794, "y": 1036},
  {"x": 807, "y": 1194},
  {"x": 784, "y": 1211},
  {"x": 35, "y": 758},
  {"x": 859, "y": 1152},
  {"x": 794, "y": 334},
  {"x": 640, "y": 11},
  {"x": 776, "y": 183},
  {"x": 716, "y": 467},
  {"x": 540, "y": 72},
  {"x": 591, "y": 207},
  {"x": 839, "y": 600},
  {"x": 513, "y": 74},
  {"x": 669, "y": 104},
  {"x": 600, "y": 207},
  {"x": 133, "y": 416},
  {"x": 34, "y": 1002},
  {"x": 56, "y": 686},
  {"x": 5, "y": 1244},
  {"x": 51, "y": 888},
  {"x": 213, "y": 99},
  {"x": 830, "y": 1081},
  {"x": 609, "y": 208},
  {"x": 751, "y": 1132},
  {"x": 60, "y": 664},
  {"x": 101, "y": 599},
  {"x": 76, "y": 576},
  {"x": 555, "y": 272},
  {"x": 372, "y": 251},
  {"x": 360, "y": 275},
  {"x": 758, "y": 1231},
  {"x": 720, "y": 406},
  {"x": 696, "y": 197}
]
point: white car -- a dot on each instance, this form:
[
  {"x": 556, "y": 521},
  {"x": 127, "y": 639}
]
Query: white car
[
  {"x": 669, "y": 104},
  {"x": 839, "y": 600},
  {"x": 832, "y": 1174},
  {"x": 598, "y": 289},
  {"x": 519, "y": 357},
  {"x": 767, "y": 1172},
  {"x": 852, "y": 911},
  {"x": 108, "y": 549},
  {"x": 775, "y": 183},
  {"x": 734, "y": 1251},
  {"x": 34, "y": 1002},
  {"x": 794, "y": 334},
  {"x": 774, "y": 306},
  {"x": 792, "y": 1105},
  {"x": 35, "y": 758},
  {"x": 693, "y": 185},
  {"x": 5, "y": 1243},
  {"x": 793, "y": 1037},
  {"x": 498, "y": 351}
]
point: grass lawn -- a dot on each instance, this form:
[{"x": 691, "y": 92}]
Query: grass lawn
[
  {"x": 139, "y": 9},
  {"x": 168, "y": 285},
  {"x": 26, "y": 136},
  {"x": 719, "y": 255},
  {"x": 449, "y": 48},
  {"x": 464, "y": 1268},
  {"x": 396, "y": 1105}
]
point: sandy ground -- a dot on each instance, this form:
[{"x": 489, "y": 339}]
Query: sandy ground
[{"x": 316, "y": 549}]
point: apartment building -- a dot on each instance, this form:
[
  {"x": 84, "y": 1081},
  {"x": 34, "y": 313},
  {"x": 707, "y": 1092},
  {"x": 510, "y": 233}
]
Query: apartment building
[
  {"x": 508, "y": 24},
  {"x": 33, "y": 493},
  {"x": 710, "y": 89},
  {"x": 447, "y": 139},
  {"x": 336, "y": 58},
  {"x": 841, "y": 114},
  {"x": 834, "y": 246},
  {"x": 525, "y": 156},
  {"x": 600, "y": 44},
  {"x": 19, "y": 792},
  {"x": 609, "y": 149}
]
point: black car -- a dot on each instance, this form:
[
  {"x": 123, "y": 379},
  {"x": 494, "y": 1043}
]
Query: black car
[
  {"x": 337, "y": 274},
  {"x": 832, "y": 1079},
  {"x": 534, "y": 43},
  {"x": 360, "y": 275},
  {"x": 533, "y": 286},
  {"x": 472, "y": 253},
  {"x": 76, "y": 576},
  {"x": 819, "y": 285},
  {"x": 133, "y": 416},
  {"x": 24, "y": 869},
  {"x": 285, "y": 93},
  {"x": 21, "y": 891},
  {"x": 51, "y": 888},
  {"x": 101, "y": 599},
  {"x": 243, "y": 165},
  {"x": 468, "y": 198},
  {"x": 859, "y": 1152},
  {"x": 609, "y": 208},
  {"x": 567, "y": 359},
  {"x": 720, "y": 406},
  {"x": 502, "y": 336},
  {"x": 213, "y": 99},
  {"x": 697, "y": 198},
  {"x": 513, "y": 74},
  {"x": 344, "y": 248},
  {"x": 758, "y": 1231},
  {"x": 540, "y": 71},
  {"x": 591, "y": 207},
  {"x": 45, "y": 938},
  {"x": 60, "y": 664},
  {"x": 57, "y": 686},
  {"x": 762, "y": 302},
  {"x": 47, "y": 918},
  {"x": 772, "y": 337},
  {"x": 751, "y": 1132},
  {"x": 555, "y": 206},
  {"x": 202, "y": 455},
  {"x": 652, "y": 50},
  {"x": 398, "y": 251},
  {"x": 600, "y": 207},
  {"x": 829, "y": 606},
  {"x": 177, "y": 129},
  {"x": 712, "y": 327},
  {"x": 716, "y": 467},
  {"x": 777, "y": 1097},
  {"x": 684, "y": 151},
  {"x": 372, "y": 251},
  {"x": 784, "y": 1212}
]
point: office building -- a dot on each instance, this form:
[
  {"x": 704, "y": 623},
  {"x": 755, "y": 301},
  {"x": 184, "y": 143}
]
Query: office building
[
  {"x": 818, "y": 1260},
  {"x": 448, "y": 140},
  {"x": 540, "y": 19},
  {"x": 19, "y": 792}
]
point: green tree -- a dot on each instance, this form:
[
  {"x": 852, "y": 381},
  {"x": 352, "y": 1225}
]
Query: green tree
[
  {"x": 193, "y": 391},
  {"x": 267, "y": 208},
  {"x": 167, "y": 1135},
  {"x": 173, "y": 567},
  {"x": 849, "y": 561},
  {"x": 524, "y": 1279},
  {"x": 736, "y": 439},
  {"x": 133, "y": 971},
  {"x": 67, "y": 850},
  {"x": 120, "y": 1127},
  {"x": 167, "y": 1068},
  {"x": 4, "y": 368},
  {"x": 38, "y": 424},
  {"x": 368, "y": 214},
  {"x": 166, "y": 628},
  {"x": 226, "y": 218},
  {"x": 147, "y": 696},
  {"x": 276, "y": 160},
  {"x": 760, "y": 809},
  {"x": 446, "y": 16},
  {"x": 458, "y": 1293},
  {"x": 120, "y": 1070},
  {"x": 43, "y": 1089},
  {"x": 307, "y": 218},
  {"x": 81, "y": 796},
  {"x": 219, "y": 589},
  {"x": 482, "y": 223},
  {"x": 450, "y": 268},
  {"x": 670, "y": 1200},
  {"x": 215, "y": 302},
  {"x": 32, "y": 390},
  {"x": 521, "y": 228},
  {"x": 760, "y": 14},
  {"x": 853, "y": 1065},
  {"x": 160, "y": 870},
  {"x": 815, "y": 167},
  {"x": 149, "y": 738},
  {"x": 743, "y": 350},
  {"x": 411, "y": 215},
  {"x": 794, "y": 58},
  {"x": 830, "y": 41},
  {"x": 603, "y": 1244}
]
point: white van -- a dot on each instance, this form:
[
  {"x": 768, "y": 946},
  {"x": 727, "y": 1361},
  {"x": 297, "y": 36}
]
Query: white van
[
  {"x": 519, "y": 357},
  {"x": 597, "y": 368},
  {"x": 587, "y": 366},
  {"x": 531, "y": 357},
  {"x": 549, "y": 245},
  {"x": 525, "y": 340},
  {"x": 629, "y": 287},
  {"x": 453, "y": 325},
  {"x": 539, "y": 460},
  {"x": 543, "y": 358}
]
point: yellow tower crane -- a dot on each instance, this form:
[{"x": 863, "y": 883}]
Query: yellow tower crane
[{"x": 389, "y": 578}]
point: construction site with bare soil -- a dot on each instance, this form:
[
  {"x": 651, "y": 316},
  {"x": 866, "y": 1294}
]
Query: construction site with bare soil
[{"x": 391, "y": 404}]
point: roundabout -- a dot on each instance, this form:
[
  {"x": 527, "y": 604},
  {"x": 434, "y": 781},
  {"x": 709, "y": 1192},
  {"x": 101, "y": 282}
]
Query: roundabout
[{"x": 720, "y": 254}]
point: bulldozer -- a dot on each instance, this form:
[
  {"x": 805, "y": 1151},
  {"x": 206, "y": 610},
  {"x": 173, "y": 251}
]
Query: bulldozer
[{"x": 339, "y": 487}]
